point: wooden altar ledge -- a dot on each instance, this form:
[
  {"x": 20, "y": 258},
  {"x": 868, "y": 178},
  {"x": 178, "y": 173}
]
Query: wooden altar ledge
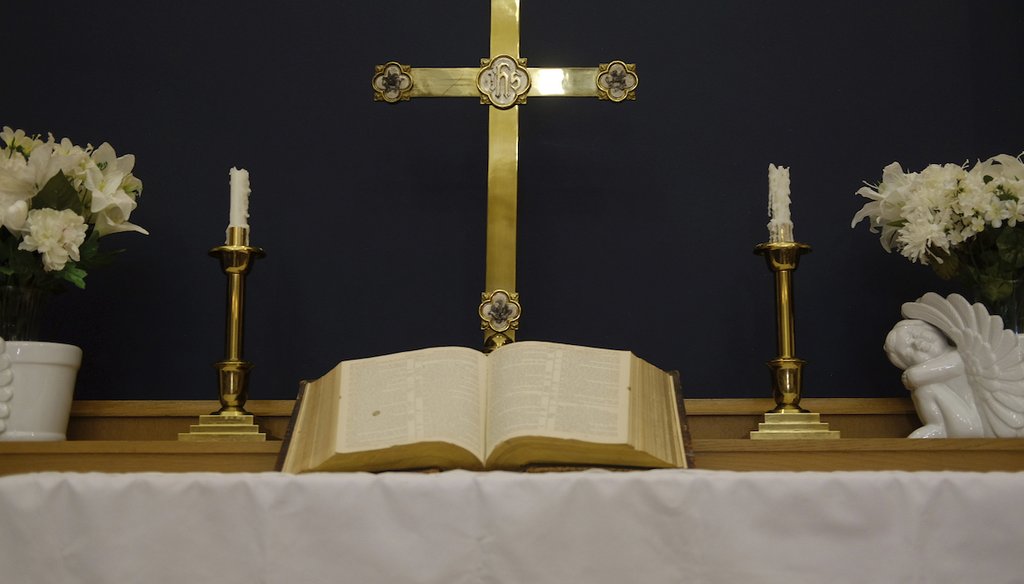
[{"x": 137, "y": 436}]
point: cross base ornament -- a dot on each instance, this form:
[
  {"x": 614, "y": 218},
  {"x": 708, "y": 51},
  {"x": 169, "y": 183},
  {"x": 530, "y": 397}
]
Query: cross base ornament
[
  {"x": 504, "y": 82},
  {"x": 499, "y": 316}
]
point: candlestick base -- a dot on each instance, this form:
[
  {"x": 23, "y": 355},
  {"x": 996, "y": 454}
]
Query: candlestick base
[
  {"x": 787, "y": 379},
  {"x": 793, "y": 426},
  {"x": 233, "y": 380},
  {"x": 224, "y": 428}
]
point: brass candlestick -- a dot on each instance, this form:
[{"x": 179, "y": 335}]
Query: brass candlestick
[
  {"x": 787, "y": 419},
  {"x": 232, "y": 421}
]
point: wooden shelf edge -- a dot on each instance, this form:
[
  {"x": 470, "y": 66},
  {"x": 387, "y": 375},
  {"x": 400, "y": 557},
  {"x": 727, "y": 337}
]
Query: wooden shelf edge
[
  {"x": 283, "y": 407},
  {"x": 855, "y": 454},
  {"x": 123, "y": 456},
  {"x": 114, "y": 447},
  {"x": 860, "y": 454},
  {"x": 171, "y": 408},
  {"x": 823, "y": 405},
  {"x": 961, "y": 445}
]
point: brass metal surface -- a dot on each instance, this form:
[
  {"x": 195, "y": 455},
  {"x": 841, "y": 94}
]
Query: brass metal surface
[
  {"x": 544, "y": 82},
  {"x": 445, "y": 82},
  {"x": 563, "y": 82},
  {"x": 502, "y": 182},
  {"x": 786, "y": 370},
  {"x": 787, "y": 380},
  {"x": 236, "y": 260},
  {"x": 783, "y": 258},
  {"x": 505, "y": 27},
  {"x": 224, "y": 428},
  {"x": 792, "y": 426}
]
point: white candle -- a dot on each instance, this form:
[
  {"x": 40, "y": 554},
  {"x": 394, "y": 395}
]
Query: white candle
[
  {"x": 780, "y": 226},
  {"x": 239, "y": 216}
]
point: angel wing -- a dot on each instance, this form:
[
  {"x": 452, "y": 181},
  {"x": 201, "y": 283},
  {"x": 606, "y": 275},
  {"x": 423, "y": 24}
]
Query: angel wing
[{"x": 993, "y": 359}]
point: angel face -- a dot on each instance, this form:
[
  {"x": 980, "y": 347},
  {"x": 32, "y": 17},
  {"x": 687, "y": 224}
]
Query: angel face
[{"x": 912, "y": 342}]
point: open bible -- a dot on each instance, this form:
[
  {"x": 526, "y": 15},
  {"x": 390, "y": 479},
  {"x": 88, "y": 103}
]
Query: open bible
[{"x": 526, "y": 404}]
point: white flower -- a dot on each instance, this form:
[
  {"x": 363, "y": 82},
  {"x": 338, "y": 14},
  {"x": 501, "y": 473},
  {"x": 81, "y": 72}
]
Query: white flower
[
  {"x": 17, "y": 181},
  {"x": 21, "y": 178},
  {"x": 921, "y": 235},
  {"x": 43, "y": 164},
  {"x": 18, "y": 140},
  {"x": 56, "y": 235},
  {"x": 885, "y": 210},
  {"x": 943, "y": 206},
  {"x": 114, "y": 189},
  {"x": 55, "y": 221},
  {"x": 1001, "y": 166},
  {"x": 14, "y": 217},
  {"x": 74, "y": 160}
]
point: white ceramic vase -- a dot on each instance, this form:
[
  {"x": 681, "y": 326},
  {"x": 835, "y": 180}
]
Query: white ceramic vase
[{"x": 37, "y": 383}]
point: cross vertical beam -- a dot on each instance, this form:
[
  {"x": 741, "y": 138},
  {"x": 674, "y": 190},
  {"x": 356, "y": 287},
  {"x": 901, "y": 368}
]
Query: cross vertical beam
[
  {"x": 502, "y": 183},
  {"x": 502, "y": 163},
  {"x": 505, "y": 28}
]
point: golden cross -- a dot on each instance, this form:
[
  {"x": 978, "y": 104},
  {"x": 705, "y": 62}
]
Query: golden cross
[{"x": 504, "y": 82}]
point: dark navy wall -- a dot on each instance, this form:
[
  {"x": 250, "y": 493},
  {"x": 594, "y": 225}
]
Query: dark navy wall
[{"x": 637, "y": 221}]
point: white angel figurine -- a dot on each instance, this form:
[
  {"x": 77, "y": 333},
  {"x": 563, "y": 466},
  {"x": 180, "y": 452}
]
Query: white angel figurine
[{"x": 965, "y": 372}]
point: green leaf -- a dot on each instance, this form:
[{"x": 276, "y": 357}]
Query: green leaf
[
  {"x": 7, "y": 247},
  {"x": 1004, "y": 195},
  {"x": 92, "y": 256},
  {"x": 1010, "y": 244},
  {"x": 59, "y": 194},
  {"x": 91, "y": 246},
  {"x": 74, "y": 274},
  {"x": 948, "y": 267},
  {"x": 995, "y": 289},
  {"x": 988, "y": 259}
]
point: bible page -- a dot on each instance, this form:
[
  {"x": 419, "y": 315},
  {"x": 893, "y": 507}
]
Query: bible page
[
  {"x": 562, "y": 391},
  {"x": 416, "y": 396}
]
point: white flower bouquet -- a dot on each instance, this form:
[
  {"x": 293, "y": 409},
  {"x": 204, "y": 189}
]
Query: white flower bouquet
[
  {"x": 56, "y": 201},
  {"x": 966, "y": 223}
]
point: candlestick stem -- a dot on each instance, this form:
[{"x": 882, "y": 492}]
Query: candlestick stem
[
  {"x": 236, "y": 259},
  {"x": 783, "y": 258},
  {"x": 232, "y": 422},
  {"x": 784, "y": 322},
  {"x": 787, "y": 419}
]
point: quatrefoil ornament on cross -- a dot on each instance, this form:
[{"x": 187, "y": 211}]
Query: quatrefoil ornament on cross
[
  {"x": 392, "y": 82},
  {"x": 503, "y": 81},
  {"x": 617, "y": 81},
  {"x": 499, "y": 311}
]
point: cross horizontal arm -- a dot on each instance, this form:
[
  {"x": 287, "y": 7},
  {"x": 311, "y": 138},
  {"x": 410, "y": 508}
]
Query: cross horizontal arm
[{"x": 461, "y": 82}]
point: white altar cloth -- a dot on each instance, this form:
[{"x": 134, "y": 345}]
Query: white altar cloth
[{"x": 463, "y": 527}]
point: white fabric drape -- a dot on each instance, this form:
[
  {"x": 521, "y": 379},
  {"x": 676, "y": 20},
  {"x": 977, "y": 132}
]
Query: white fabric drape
[{"x": 463, "y": 527}]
